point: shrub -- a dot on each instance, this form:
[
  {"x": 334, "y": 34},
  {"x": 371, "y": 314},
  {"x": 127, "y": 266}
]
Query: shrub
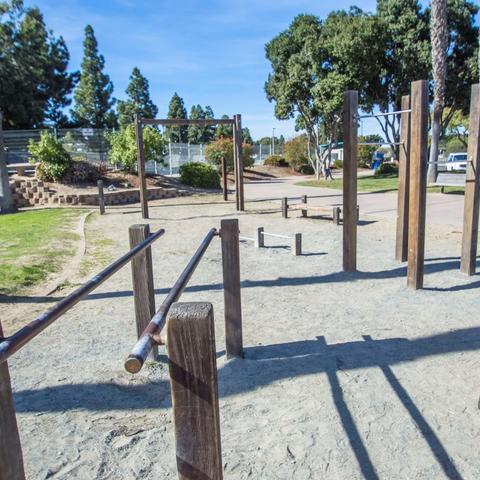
[
  {"x": 296, "y": 153},
  {"x": 365, "y": 152},
  {"x": 386, "y": 169},
  {"x": 123, "y": 146},
  {"x": 54, "y": 161},
  {"x": 223, "y": 147},
  {"x": 338, "y": 163},
  {"x": 81, "y": 171},
  {"x": 199, "y": 175},
  {"x": 275, "y": 161},
  {"x": 306, "y": 169}
]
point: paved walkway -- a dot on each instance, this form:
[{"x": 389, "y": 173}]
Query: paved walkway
[{"x": 444, "y": 209}]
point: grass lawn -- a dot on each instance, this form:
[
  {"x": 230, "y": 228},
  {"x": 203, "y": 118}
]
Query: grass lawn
[
  {"x": 371, "y": 183},
  {"x": 34, "y": 244}
]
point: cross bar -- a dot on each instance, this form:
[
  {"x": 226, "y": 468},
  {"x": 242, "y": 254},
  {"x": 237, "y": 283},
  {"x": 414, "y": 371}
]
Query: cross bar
[
  {"x": 186, "y": 121},
  {"x": 385, "y": 114}
]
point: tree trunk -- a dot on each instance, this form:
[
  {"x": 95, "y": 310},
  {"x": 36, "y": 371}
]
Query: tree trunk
[
  {"x": 6, "y": 200},
  {"x": 436, "y": 128}
]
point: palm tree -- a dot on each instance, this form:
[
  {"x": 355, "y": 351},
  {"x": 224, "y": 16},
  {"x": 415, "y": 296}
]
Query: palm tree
[{"x": 439, "y": 41}]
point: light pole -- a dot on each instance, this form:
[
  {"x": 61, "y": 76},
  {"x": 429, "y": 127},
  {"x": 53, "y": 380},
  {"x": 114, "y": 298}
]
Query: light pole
[{"x": 273, "y": 141}]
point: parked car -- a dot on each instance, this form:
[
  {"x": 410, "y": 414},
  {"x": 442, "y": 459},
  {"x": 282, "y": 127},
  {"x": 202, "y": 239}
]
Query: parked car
[{"x": 457, "y": 161}]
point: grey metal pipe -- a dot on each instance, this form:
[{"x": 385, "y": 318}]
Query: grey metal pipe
[{"x": 385, "y": 114}]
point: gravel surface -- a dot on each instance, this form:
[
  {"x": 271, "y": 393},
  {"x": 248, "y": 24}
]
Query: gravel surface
[{"x": 346, "y": 376}]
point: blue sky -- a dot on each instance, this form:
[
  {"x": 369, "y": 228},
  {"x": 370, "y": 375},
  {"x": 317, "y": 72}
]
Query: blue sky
[{"x": 211, "y": 52}]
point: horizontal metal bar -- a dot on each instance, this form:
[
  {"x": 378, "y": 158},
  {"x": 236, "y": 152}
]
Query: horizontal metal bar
[
  {"x": 13, "y": 343},
  {"x": 275, "y": 235},
  {"x": 380, "y": 143},
  {"x": 186, "y": 121},
  {"x": 247, "y": 239},
  {"x": 385, "y": 114},
  {"x": 145, "y": 343}
]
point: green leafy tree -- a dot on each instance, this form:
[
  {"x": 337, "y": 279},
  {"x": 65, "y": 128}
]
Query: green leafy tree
[
  {"x": 123, "y": 146},
  {"x": 196, "y": 132},
  {"x": 223, "y": 147},
  {"x": 176, "y": 109},
  {"x": 247, "y": 138},
  {"x": 93, "y": 95},
  {"x": 224, "y": 131},
  {"x": 365, "y": 152},
  {"x": 296, "y": 152},
  {"x": 138, "y": 100},
  {"x": 209, "y": 132}
]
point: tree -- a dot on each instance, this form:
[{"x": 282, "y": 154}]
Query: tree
[
  {"x": 138, "y": 100},
  {"x": 223, "y": 147},
  {"x": 176, "y": 109},
  {"x": 93, "y": 95},
  {"x": 247, "y": 138},
  {"x": 296, "y": 152},
  {"x": 365, "y": 152},
  {"x": 209, "y": 132},
  {"x": 196, "y": 132},
  {"x": 439, "y": 41},
  {"x": 457, "y": 128},
  {"x": 224, "y": 131}
]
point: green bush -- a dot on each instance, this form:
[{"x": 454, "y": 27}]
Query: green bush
[
  {"x": 338, "y": 163},
  {"x": 223, "y": 147},
  {"x": 123, "y": 146},
  {"x": 275, "y": 161},
  {"x": 306, "y": 169},
  {"x": 296, "y": 152},
  {"x": 387, "y": 169},
  {"x": 54, "y": 161},
  {"x": 199, "y": 175}
]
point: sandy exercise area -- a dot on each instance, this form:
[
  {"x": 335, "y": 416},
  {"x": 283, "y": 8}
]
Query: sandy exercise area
[{"x": 345, "y": 376}]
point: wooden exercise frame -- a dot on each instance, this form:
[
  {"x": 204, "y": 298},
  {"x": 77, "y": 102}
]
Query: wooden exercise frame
[{"x": 236, "y": 123}]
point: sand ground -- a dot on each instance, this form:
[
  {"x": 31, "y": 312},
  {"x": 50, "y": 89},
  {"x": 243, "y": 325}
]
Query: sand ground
[{"x": 345, "y": 376}]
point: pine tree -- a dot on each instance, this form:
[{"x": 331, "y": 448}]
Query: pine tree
[
  {"x": 246, "y": 137},
  {"x": 209, "y": 132},
  {"x": 93, "y": 95},
  {"x": 196, "y": 132},
  {"x": 224, "y": 131},
  {"x": 138, "y": 101},
  {"x": 176, "y": 109}
]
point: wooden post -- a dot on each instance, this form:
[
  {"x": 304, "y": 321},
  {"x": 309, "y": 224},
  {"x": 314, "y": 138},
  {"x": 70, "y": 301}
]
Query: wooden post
[
  {"x": 231, "y": 287},
  {"x": 349, "y": 210},
  {"x": 193, "y": 379},
  {"x": 304, "y": 200},
  {"x": 239, "y": 140},
  {"x": 418, "y": 183},
  {"x": 285, "y": 207},
  {"x": 11, "y": 460},
  {"x": 296, "y": 244},
  {"x": 142, "y": 281},
  {"x": 141, "y": 165},
  {"x": 224, "y": 179},
  {"x": 260, "y": 239},
  {"x": 235, "y": 164},
  {"x": 101, "y": 197},
  {"x": 470, "y": 212},
  {"x": 336, "y": 215},
  {"x": 6, "y": 199},
  {"x": 401, "y": 242}
]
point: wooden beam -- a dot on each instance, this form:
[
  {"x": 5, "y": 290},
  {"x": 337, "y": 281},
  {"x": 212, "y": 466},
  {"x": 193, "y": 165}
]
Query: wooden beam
[
  {"x": 6, "y": 198},
  {"x": 239, "y": 142},
  {"x": 141, "y": 165},
  {"x": 101, "y": 197},
  {"x": 470, "y": 212},
  {"x": 401, "y": 242},
  {"x": 11, "y": 460},
  {"x": 186, "y": 121},
  {"x": 142, "y": 282},
  {"x": 349, "y": 210},
  {"x": 236, "y": 166},
  {"x": 193, "y": 379},
  {"x": 229, "y": 234},
  {"x": 285, "y": 207},
  {"x": 418, "y": 183}
]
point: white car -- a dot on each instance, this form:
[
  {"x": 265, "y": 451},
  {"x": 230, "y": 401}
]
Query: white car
[{"x": 457, "y": 161}]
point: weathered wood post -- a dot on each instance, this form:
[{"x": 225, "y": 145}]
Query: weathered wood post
[
  {"x": 418, "y": 183},
  {"x": 224, "y": 179},
  {"x": 193, "y": 379},
  {"x": 141, "y": 165},
  {"x": 470, "y": 212},
  {"x": 304, "y": 201},
  {"x": 349, "y": 210},
  {"x": 285, "y": 207},
  {"x": 259, "y": 238},
  {"x": 296, "y": 246},
  {"x": 142, "y": 281},
  {"x": 336, "y": 215},
  {"x": 101, "y": 197},
  {"x": 11, "y": 460},
  {"x": 401, "y": 241},
  {"x": 238, "y": 147},
  {"x": 6, "y": 199},
  {"x": 229, "y": 233}
]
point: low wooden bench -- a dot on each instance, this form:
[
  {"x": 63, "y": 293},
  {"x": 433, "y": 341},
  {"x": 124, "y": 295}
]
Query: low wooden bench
[{"x": 304, "y": 206}]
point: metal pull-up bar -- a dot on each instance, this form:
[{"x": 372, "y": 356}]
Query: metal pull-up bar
[{"x": 383, "y": 114}]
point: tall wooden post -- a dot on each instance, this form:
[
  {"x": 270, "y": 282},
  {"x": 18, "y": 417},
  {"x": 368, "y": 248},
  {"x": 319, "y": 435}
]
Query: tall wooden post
[
  {"x": 142, "y": 281},
  {"x": 11, "y": 460},
  {"x": 235, "y": 165},
  {"x": 470, "y": 212},
  {"x": 238, "y": 121},
  {"x": 418, "y": 183},
  {"x": 193, "y": 379},
  {"x": 350, "y": 107},
  {"x": 401, "y": 242},
  {"x": 101, "y": 197},
  {"x": 229, "y": 234},
  {"x": 6, "y": 199},
  {"x": 141, "y": 165},
  {"x": 224, "y": 179}
]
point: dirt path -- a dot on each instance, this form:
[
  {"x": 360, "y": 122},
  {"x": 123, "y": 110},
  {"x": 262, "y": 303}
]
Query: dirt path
[{"x": 345, "y": 376}]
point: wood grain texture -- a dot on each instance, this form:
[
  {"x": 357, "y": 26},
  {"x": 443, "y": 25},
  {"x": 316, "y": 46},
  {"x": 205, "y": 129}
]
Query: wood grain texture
[
  {"x": 350, "y": 107},
  {"x": 239, "y": 142},
  {"x": 236, "y": 166},
  {"x": 470, "y": 212},
  {"x": 142, "y": 281},
  {"x": 401, "y": 239},
  {"x": 141, "y": 165},
  {"x": 285, "y": 207},
  {"x": 11, "y": 460},
  {"x": 229, "y": 233},
  {"x": 418, "y": 183},
  {"x": 297, "y": 244},
  {"x": 193, "y": 378},
  {"x": 101, "y": 197}
]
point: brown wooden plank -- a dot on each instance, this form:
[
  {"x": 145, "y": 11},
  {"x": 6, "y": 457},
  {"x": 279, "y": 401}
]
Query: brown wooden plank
[
  {"x": 142, "y": 282},
  {"x": 401, "y": 241},
  {"x": 470, "y": 212},
  {"x": 350, "y": 107},
  {"x": 418, "y": 183},
  {"x": 193, "y": 378},
  {"x": 101, "y": 197},
  {"x": 141, "y": 165},
  {"x": 229, "y": 233},
  {"x": 239, "y": 141},
  {"x": 11, "y": 460}
]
